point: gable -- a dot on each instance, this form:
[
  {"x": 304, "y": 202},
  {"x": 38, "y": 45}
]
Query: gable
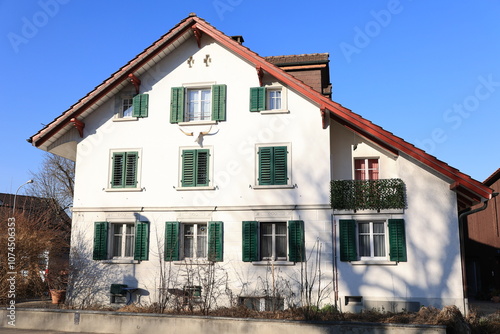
[{"x": 195, "y": 29}]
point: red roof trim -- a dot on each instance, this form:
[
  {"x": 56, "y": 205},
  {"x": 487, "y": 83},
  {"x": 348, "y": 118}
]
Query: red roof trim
[
  {"x": 356, "y": 122},
  {"x": 364, "y": 126},
  {"x": 104, "y": 88}
]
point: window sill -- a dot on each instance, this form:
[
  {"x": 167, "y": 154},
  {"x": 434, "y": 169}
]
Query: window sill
[
  {"x": 274, "y": 111},
  {"x": 374, "y": 262},
  {"x": 122, "y": 189},
  {"x": 197, "y": 123},
  {"x": 280, "y": 186},
  {"x": 273, "y": 263},
  {"x": 125, "y": 119},
  {"x": 195, "y": 188},
  {"x": 186, "y": 262},
  {"x": 121, "y": 261}
]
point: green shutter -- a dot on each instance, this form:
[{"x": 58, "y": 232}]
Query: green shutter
[
  {"x": 131, "y": 169},
  {"x": 171, "y": 241},
  {"x": 177, "y": 105},
  {"x": 273, "y": 169},
  {"x": 195, "y": 168},
  {"x": 397, "y": 240},
  {"x": 188, "y": 168},
  {"x": 296, "y": 241},
  {"x": 219, "y": 102},
  {"x": 250, "y": 241},
  {"x": 347, "y": 236},
  {"x": 124, "y": 170},
  {"x": 141, "y": 103},
  {"x": 141, "y": 250},
  {"x": 257, "y": 98},
  {"x": 100, "y": 241},
  {"x": 202, "y": 161},
  {"x": 265, "y": 166},
  {"x": 280, "y": 170},
  {"x": 215, "y": 241},
  {"x": 118, "y": 169}
]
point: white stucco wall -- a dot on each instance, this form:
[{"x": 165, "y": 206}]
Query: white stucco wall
[
  {"x": 431, "y": 274},
  {"x": 234, "y": 198}
]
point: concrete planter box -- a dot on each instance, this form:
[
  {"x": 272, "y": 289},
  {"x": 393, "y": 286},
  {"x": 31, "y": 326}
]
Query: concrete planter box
[{"x": 131, "y": 323}]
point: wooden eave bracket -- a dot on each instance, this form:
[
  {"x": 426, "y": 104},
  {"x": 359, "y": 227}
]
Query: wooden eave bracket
[
  {"x": 197, "y": 34},
  {"x": 79, "y": 125},
  {"x": 324, "y": 114},
  {"x": 260, "y": 75},
  {"x": 135, "y": 81}
]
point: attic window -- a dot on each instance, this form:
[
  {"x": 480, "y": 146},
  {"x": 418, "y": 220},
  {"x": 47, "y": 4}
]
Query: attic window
[
  {"x": 131, "y": 106},
  {"x": 270, "y": 99}
]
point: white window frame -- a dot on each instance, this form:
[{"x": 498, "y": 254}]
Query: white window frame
[
  {"x": 119, "y": 104},
  {"x": 110, "y": 170},
  {"x": 284, "y": 98},
  {"x": 367, "y": 169},
  {"x": 199, "y": 115},
  {"x": 288, "y": 162},
  {"x": 371, "y": 234},
  {"x": 182, "y": 236},
  {"x": 111, "y": 241},
  {"x": 273, "y": 258},
  {"x": 194, "y": 86}
]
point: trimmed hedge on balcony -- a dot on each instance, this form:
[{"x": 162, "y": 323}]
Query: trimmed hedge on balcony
[{"x": 368, "y": 194}]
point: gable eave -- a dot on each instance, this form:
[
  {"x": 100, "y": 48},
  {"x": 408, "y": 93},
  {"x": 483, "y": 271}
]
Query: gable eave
[
  {"x": 184, "y": 30},
  {"x": 117, "y": 81}
]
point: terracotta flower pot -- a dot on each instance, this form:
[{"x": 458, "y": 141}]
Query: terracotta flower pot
[{"x": 58, "y": 296}]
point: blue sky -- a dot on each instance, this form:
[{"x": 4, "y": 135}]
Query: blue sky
[{"x": 428, "y": 71}]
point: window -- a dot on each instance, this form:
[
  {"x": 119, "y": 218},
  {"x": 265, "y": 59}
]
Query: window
[
  {"x": 273, "y": 241},
  {"x": 366, "y": 169},
  {"x": 273, "y": 165},
  {"x": 206, "y": 103},
  {"x": 193, "y": 241},
  {"x": 127, "y": 106},
  {"x": 367, "y": 240},
  {"x": 124, "y": 169},
  {"x": 262, "y": 303},
  {"x": 195, "y": 167},
  {"x": 130, "y": 106},
  {"x": 269, "y": 98},
  {"x": 371, "y": 240},
  {"x": 121, "y": 241},
  {"x": 199, "y": 105}
]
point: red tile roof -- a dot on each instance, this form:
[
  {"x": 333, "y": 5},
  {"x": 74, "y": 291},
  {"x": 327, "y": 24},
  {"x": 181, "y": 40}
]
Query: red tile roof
[{"x": 469, "y": 190}]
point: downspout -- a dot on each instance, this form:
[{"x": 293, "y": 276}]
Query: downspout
[
  {"x": 461, "y": 222},
  {"x": 334, "y": 254}
]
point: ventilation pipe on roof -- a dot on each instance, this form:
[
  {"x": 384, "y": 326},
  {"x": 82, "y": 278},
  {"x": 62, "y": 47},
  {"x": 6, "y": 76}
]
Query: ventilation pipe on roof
[{"x": 462, "y": 218}]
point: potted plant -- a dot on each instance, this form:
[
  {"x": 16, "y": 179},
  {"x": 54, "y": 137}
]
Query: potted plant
[{"x": 57, "y": 282}]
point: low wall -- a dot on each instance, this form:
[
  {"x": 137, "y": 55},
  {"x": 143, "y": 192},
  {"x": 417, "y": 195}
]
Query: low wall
[{"x": 131, "y": 323}]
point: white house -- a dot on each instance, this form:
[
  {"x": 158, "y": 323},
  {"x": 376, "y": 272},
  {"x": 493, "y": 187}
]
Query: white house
[{"x": 208, "y": 174}]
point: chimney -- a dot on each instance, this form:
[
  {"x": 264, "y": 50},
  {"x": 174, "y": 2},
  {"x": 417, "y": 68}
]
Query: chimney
[
  {"x": 311, "y": 69},
  {"x": 238, "y": 38}
]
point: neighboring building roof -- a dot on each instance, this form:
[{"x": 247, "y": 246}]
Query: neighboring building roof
[
  {"x": 32, "y": 205},
  {"x": 493, "y": 178},
  {"x": 469, "y": 191}
]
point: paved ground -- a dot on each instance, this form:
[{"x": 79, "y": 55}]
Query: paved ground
[
  {"x": 483, "y": 307},
  {"x": 31, "y": 331}
]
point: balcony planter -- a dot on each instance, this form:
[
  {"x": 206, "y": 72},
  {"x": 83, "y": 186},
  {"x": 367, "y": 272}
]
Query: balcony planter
[{"x": 368, "y": 194}]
